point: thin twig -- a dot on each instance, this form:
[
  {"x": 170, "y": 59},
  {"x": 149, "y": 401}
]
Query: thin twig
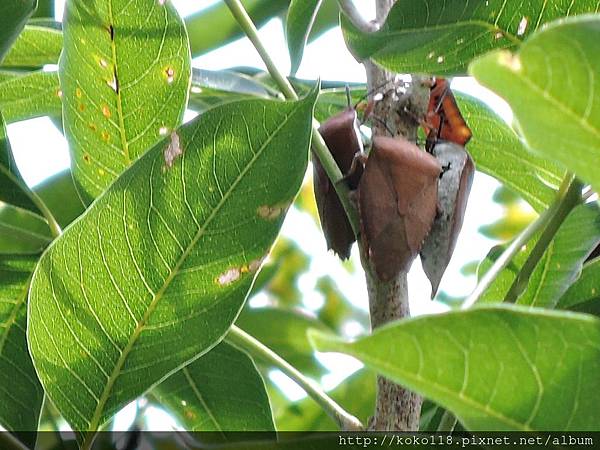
[
  {"x": 349, "y": 9},
  {"x": 318, "y": 144},
  {"x": 38, "y": 202},
  {"x": 568, "y": 198},
  {"x": 511, "y": 251},
  {"x": 9, "y": 442},
  {"x": 243, "y": 340}
]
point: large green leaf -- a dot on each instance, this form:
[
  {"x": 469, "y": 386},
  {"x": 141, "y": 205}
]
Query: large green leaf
[
  {"x": 14, "y": 14},
  {"x": 157, "y": 269},
  {"x": 33, "y": 95},
  {"x": 562, "y": 261},
  {"x": 585, "y": 289},
  {"x": 22, "y": 232},
  {"x": 443, "y": 37},
  {"x": 125, "y": 74},
  {"x": 36, "y": 46},
  {"x": 559, "y": 266},
  {"x": 221, "y": 391},
  {"x": 284, "y": 331},
  {"x": 553, "y": 87},
  {"x": 499, "y": 152},
  {"x": 12, "y": 187},
  {"x": 501, "y": 368},
  {"x": 21, "y": 394},
  {"x": 300, "y": 18}
]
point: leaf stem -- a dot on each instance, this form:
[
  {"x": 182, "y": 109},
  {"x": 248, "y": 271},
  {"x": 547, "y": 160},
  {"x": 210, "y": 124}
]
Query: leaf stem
[
  {"x": 9, "y": 442},
  {"x": 243, "y": 340},
  {"x": 569, "y": 196},
  {"x": 447, "y": 422},
  {"x": 319, "y": 147},
  {"x": 38, "y": 202},
  {"x": 522, "y": 239}
]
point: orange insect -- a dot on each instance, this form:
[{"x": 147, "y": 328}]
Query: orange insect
[{"x": 444, "y": 120}]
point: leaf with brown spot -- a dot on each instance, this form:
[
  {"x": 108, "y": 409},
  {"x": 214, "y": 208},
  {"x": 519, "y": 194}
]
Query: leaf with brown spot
[
  {"x": 342, "y": 137},
  {"x": 125, "y": 75},
  {"x": 453, "y": 194},
  {"x": 397, "y": 203}
]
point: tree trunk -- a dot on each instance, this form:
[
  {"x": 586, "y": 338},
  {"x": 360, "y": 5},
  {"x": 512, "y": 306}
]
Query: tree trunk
[{"x": 397, "y": 409}]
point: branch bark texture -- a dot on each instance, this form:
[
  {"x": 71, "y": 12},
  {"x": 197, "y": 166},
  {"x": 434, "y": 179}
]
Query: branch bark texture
[{"x": 396, "y": 113}]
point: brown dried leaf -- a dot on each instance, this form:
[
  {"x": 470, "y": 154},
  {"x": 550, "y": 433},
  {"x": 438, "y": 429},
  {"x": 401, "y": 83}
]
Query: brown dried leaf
[
  {"x": 453, "y": 194},
  {"x": 397, "y": 203},
  {"x": 341, "y": 135}
]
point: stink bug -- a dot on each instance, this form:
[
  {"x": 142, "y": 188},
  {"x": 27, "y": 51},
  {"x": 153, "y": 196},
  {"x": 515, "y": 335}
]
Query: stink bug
[
  {"x": 453, "y": 193},
  {"x": 342, "y": 137},
  {"x": 397, "y": 203}
]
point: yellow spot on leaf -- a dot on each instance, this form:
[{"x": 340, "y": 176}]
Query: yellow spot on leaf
[
  {"x": 78, "y": 93},
  {"x": 81, "y": 107},
  {"x": 105, "y": 136},
  {"x": 229, "y": 276},
  {"x": 272, "y": 212},
  {"x": 512, "y": 62},
  {"x": 101, "y": 172},
  {"x": 170, "y": 74},
  {"x": 105, "y": 111}
]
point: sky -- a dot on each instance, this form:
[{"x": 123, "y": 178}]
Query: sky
[{"x": 44, "y": 152}]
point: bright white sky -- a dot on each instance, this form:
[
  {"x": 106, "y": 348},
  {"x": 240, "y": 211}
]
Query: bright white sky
[{"x": 43, "y": 152}]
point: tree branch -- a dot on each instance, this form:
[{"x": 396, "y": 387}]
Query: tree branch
[
  {"x": 244, "y": 341},
  {"x": 397, "y": 409},
  {"x": 350, "y": 11}
]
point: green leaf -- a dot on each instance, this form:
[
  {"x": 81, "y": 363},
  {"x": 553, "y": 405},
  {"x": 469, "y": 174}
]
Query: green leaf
[
  {"x": 585, "y": 289},
  {"x": 22, "y": 232},
  {"x": 125, "y": 74},
  {"x": 157, "y": 269},
  {"x": 12, "y": 187},
  {"x": 500, "y": 368},
  {"x": 300, "y": 18},
  {"x": 558, "y": 267},
  {"x": 36, "y": 46},
  {"x": 60, "y": 196},
  {"x": 45, "y": 8},
  {"x": 32, "y": 95},
  {"x": 553, "y": 85},
  {"x": 443, "y": 37},
  {"x": 284, "y": 331},
  {"x": 213, "y": 88},
  {"x": 499, "y": 152},
  {"x": 21, "y": 394},
  {"x": 563, "y": 259},
  {"x": 12, "y": 20},
  {"x": 356, "y": 394},
  {"x": 220, "y": 391}
]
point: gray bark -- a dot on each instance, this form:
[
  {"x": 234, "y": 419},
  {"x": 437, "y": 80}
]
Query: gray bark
[{"x": 397, "y": 409}]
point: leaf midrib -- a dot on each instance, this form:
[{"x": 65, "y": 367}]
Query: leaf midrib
[
  {"x": 95, "y": 421},
  {"x": 200, "y": 398},
  {"x": 444, "y": 27},
  {"x": 113, "y": 46}
]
